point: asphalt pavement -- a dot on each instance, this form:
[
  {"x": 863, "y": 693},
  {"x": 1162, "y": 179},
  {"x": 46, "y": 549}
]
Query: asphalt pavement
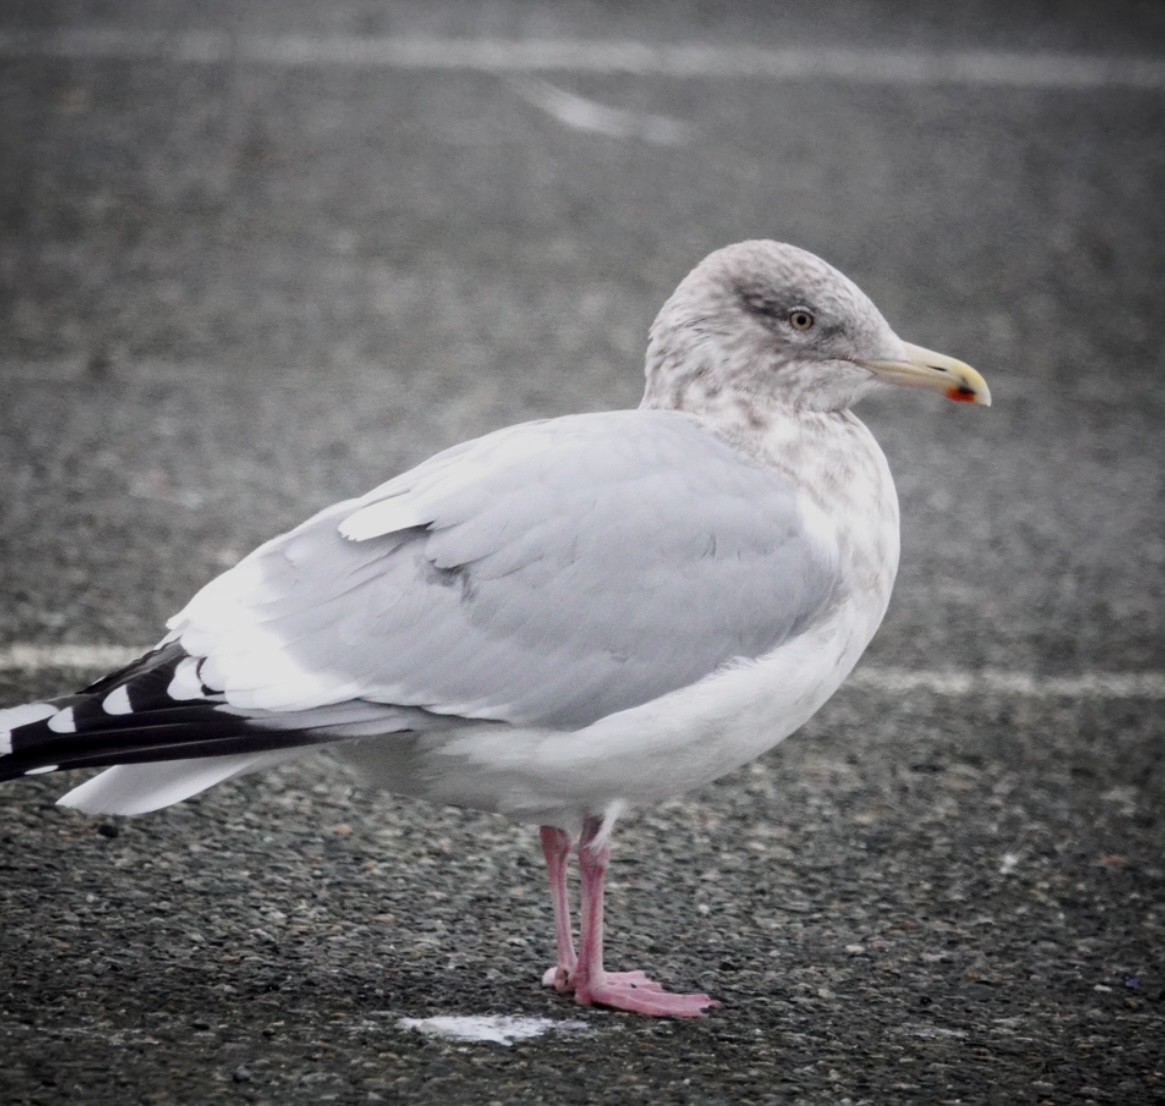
[{"x": 238, "y": 283}]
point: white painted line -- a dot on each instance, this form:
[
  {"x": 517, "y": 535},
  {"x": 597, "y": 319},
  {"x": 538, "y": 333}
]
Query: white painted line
[
  {"x": 588, "y": 115},
  {"x": 31, "y": 659},
  {"x": 1001, "y": 681},
  {"x": 683, "y": 60},
  {"x": 49, "y": 658}
]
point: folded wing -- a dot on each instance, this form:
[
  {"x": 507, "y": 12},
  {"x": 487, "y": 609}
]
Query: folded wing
[{"x": 532, "y": 576}]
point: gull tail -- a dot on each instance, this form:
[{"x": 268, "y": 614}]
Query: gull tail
[{"x": 170, "y": 736}]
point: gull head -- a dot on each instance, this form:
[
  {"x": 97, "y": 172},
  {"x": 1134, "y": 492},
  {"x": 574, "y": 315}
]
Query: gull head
[{"x": 767, "y": 324}]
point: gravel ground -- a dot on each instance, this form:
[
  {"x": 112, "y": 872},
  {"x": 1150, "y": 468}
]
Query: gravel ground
[{"x": 233, "y": 292}]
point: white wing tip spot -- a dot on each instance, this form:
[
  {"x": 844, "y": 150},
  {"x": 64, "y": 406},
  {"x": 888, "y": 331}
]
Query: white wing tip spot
[
  {"x": 63, "y": 721},
  {"x": 117, "y": 701},
  {"x": 186, "y": 683},
  {"x": 42, "y": 770},
  {"x": 5, "y": 742}
]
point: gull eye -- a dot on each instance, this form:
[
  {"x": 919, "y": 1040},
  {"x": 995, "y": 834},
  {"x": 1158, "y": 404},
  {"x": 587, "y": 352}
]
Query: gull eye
[{"x": 801, "y": 319}]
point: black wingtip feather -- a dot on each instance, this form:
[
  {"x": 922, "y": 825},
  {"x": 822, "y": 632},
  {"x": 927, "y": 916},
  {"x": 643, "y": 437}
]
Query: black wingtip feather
[{"x": 155, "y": 728}]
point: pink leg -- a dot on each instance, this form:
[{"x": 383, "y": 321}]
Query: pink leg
[
  {"x": 556, "y": 850},
  {"x": 593, "y": 985}
]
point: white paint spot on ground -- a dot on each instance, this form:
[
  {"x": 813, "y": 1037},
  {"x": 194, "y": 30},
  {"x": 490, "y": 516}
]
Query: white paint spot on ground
[
  {"x": 500, "y": 1029},
  {"x": 936, "y": 1032}
]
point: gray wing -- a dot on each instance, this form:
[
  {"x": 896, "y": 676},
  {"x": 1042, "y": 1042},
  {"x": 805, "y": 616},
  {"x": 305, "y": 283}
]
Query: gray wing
[{"x": 548, "y": 574}]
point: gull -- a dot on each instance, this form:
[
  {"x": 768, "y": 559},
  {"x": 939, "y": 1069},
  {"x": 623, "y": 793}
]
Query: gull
[{"x": 560, "y": 621}]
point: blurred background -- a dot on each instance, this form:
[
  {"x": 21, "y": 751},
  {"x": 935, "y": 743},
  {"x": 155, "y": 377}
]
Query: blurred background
[{"x": 256, "y": 256}]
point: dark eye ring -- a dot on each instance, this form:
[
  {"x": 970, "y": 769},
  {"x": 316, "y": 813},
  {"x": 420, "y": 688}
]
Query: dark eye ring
[{"x": 801, "y": 319}]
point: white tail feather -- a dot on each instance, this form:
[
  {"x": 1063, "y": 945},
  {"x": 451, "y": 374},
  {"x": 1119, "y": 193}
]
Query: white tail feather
[{"x": 140, "y": 788}]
